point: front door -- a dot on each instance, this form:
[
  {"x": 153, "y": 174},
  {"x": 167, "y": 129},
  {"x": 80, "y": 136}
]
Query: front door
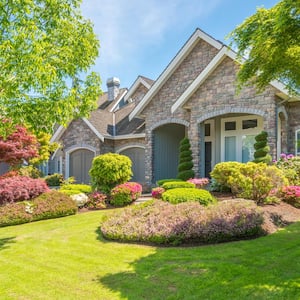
[{"x": 80, "y": 164}]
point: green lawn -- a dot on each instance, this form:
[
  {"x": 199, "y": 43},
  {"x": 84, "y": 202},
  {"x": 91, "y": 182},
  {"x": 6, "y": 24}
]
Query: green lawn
[{"x": 67, "y": 259}]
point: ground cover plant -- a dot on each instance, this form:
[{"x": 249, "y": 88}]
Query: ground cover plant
[
  {"x": 52, "y": 260},
  {"x": 163, "y": 223}
]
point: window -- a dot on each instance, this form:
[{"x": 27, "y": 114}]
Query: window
[
  {"x": 249, "y": 124},
  {"x": 207, "y": 129},
  {"x": 297, "y": 142},
  {"x": 230, "y": 126}
]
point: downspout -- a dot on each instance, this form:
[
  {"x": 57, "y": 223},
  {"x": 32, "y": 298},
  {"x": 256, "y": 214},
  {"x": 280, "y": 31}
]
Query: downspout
[{"x": 114, "y": 124}]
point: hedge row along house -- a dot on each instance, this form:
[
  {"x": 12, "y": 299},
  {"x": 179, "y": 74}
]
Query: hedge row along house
[{"x": 195, "y": 96}]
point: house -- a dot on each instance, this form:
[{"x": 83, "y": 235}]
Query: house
[{"x": 195, "y": 96}]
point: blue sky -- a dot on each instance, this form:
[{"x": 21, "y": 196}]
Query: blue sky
[{"x": 140, "y": 37}]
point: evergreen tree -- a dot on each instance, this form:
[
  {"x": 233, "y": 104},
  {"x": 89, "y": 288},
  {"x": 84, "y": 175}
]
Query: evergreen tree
[
  {"x": 262, "y": 149},
  {"x": 185, "y": 167}
]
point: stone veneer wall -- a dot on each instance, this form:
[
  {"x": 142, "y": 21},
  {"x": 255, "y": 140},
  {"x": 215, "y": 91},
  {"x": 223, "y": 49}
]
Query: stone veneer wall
[
  {"x": 139, "y": 93},
  {"x": 217, "y": 96}
]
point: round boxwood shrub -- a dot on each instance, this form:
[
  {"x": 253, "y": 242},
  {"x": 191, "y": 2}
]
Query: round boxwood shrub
[
  {"x": 54, "y": 179},
  {"x": 179, "y": 195},
  {"x": 178, "y": 184},
  {"x": 109, "y": 170}
]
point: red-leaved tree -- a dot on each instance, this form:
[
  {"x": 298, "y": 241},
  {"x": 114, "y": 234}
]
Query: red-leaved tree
[{"x": 18, "y": 146}]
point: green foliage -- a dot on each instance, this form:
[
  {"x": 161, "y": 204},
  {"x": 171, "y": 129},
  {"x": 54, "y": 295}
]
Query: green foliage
[
  {"x": 162, "y": 181},
  {"x": 72, "y": 189},
  {"x": 290, "y": 165},
  {"x": 30, "y": 171},
  {"x": 271, "y": 40},
  {"x": 221, "y": 173},
  {"x": 54, "y": 179},
  {"x": 185, "y": 167},
  {"x": 179, "y": 195},
  {"x": 177, "y": 184},
  {"x": 109, "y": 170},
  {"x": 47, "y": 206},
  {"x": 45, "y": 45},
  {"x": 262, "y": 149},
  {"x": 256, "y": 181}
]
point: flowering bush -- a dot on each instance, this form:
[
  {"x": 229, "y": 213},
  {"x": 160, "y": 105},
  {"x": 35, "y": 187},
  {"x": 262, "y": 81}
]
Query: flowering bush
[
  {"x": 162, "y": 223},
  {"x": 157, "y": 192},
  {"x": 96, "y": 200},
  {"x": 290, "y": 165},
  {"x": 19, "y": 188},
  {"x": 49, "y": 205},
  {"x": 291, "y": 195},
  {"x": 126, "y": 193},
  {"x": 179, "y": 195},
  {"x": 199, "y": 182}
]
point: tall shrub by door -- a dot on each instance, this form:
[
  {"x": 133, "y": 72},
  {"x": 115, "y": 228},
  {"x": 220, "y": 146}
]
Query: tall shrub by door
[{"x": 185, "y": 167}]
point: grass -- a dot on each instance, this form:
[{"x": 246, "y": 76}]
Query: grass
[{"x": 68, "y": 259}]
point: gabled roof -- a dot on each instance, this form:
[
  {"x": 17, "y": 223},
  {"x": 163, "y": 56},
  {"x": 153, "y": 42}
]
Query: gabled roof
[
  {"x": 146, "y": 82},
  {"x": 224, "y": 51},
  {"x": 181, "y": 55}
]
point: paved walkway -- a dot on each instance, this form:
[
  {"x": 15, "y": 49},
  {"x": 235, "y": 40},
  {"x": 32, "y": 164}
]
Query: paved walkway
[{"x": 143, "y": 198}]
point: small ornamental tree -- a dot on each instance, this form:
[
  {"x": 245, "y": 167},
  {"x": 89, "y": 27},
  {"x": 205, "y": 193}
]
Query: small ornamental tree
[
  {"x": 185, "y": 167},
  {"x": 18, "y": 146},
  {"x": 262, "y": 149},
  {"x": 109, "y": 170}
]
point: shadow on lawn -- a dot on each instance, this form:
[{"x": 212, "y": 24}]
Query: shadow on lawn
[
  {"x": 265, "y": 268},
  {"x": 4, "y": 242}
]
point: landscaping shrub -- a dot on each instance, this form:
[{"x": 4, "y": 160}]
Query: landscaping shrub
[
  {"x": 15, "y": 213},
  {"x": 162, "y": 181},
  {"x": 185, "y": 166},
  {"x": 73, "y": 189},
  {"x": 256, "y": 181},
  {"x": 162, "y": 223},
  {"x": 199, "y": 182},
  {"x": 96, "y": 200},
  {"x": 52, "y": 205},
  {"x": 261, "y": 154},
  {"x": 46, "y": 206},
  {"x": 19, "y": 188},
  {"x": 109, "y": 170},
  {"x": 291, "y": 195},
  {"x": 124, "y": 194},
  {"x": 177, "y": 184},
  {"x": 290, "y": 165},
  {"x": 157, "y": 192},
  {"x": 30, "y": 171},
  {"x": 221, "y": 173},
  {"x": 179, "y": 195},
  {"x": 54, "y": 179}
]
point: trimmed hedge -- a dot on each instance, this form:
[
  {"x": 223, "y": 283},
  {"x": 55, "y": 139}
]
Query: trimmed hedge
[
  {"x": 73, "y": 189},
  {"x": 162, "y": 223},
  {"x": 49, "y": 205},
  {"x": 19, "y": 188},
  {"x": 178, "y": 184},
  {"x": 179, "y": 195},
  {"x": 162, "y": 181}
]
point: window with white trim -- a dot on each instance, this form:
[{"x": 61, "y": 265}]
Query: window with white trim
[{"x": 297, "y": 147}]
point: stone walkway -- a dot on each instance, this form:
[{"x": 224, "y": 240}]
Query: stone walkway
[{"x": 143, "y": 198}]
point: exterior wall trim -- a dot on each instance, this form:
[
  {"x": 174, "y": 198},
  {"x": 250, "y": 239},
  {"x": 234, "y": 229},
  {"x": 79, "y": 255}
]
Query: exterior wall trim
[
  {"x": 227, "y": 110},
  {"x": 72, "y": 149},
  {"x": 168, "y": 121},
  {"x": 135, "y": 85},
  {"x": 136, "y": 145},
  {"x": 125, "y": 136}
]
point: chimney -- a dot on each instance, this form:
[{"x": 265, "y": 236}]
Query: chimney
[{"x": 113, "y": 85}]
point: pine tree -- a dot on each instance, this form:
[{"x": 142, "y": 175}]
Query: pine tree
[{"x": 185, "y": 167}]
